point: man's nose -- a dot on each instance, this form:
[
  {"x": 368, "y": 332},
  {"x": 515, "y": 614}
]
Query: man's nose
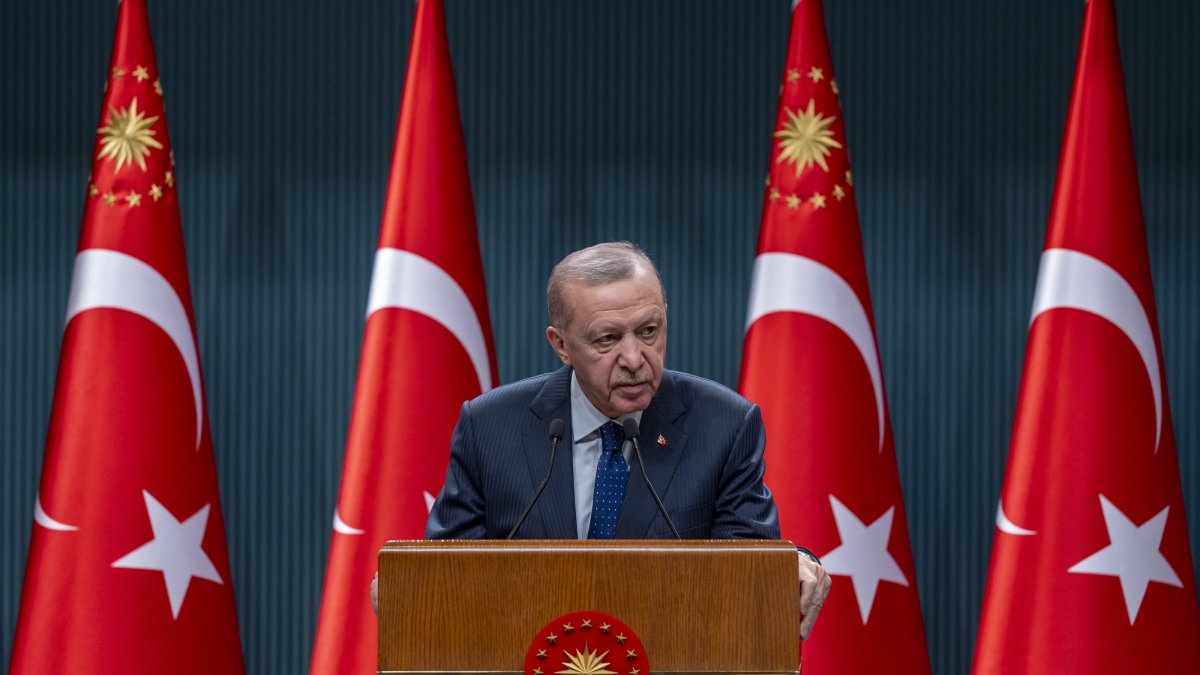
[{"x": 629, "y": 354}]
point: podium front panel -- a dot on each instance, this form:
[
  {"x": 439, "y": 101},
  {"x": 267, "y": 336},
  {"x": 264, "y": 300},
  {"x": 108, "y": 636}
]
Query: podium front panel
[{"x": 697, "y": 606}]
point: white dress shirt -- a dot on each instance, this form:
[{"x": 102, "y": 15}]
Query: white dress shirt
[{"x": 586, "y": 421}]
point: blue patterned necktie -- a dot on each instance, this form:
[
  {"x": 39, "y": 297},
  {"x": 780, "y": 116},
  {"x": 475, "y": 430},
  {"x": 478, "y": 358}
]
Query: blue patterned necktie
[{"x": 612, "y": 475}]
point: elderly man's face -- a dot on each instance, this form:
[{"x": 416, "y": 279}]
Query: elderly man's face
[{"x": 616, "y": 341}]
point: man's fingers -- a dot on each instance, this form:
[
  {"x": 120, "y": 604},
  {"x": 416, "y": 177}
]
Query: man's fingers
[
  {"x": 375, "y": 593},
  {"x": 807, "y": 588},
  {"x": 808, "y": 613},
  {"x": 806, "y": 625},
  {"x": 814, "y": 587}
]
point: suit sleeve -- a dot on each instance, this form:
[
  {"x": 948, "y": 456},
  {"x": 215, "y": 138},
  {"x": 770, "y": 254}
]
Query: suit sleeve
[
  {"x": 745, "y": 508},
  {"x": 458, "y": 512}
]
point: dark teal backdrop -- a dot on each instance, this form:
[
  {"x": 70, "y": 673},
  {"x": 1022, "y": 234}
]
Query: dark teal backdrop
[{"x": 584, "y": 121}]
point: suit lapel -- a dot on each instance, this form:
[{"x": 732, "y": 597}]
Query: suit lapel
[
  {"x": 639, "y": 510},
  {"x": 556, "y": 506}
]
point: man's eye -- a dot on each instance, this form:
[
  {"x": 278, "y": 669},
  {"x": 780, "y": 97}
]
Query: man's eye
[
  {"x": 649, "y": 331},
  {"x": 605, "y": 340}
]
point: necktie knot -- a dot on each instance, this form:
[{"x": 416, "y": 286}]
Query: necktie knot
[{"x": 612, "y": 437}]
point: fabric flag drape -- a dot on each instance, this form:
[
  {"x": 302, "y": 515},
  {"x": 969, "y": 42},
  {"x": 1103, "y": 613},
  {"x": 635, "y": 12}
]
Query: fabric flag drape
[
  {"x": 128, "y": 570},
  {"x": 810, "y": 361},
  {"x": 427, "y": 347},
  {"x": 1090, "y": 570}
]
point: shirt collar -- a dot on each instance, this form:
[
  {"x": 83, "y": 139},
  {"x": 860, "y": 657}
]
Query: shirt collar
[{"x": 585, "y": 417}]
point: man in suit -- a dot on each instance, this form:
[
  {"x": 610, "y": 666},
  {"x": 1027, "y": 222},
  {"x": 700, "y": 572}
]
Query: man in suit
[{"x": 702, "y": 444}]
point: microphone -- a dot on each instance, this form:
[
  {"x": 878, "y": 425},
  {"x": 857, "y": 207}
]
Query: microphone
[
  {"x": 557, "y": 429},
  {"x": 632, "y": 433}
]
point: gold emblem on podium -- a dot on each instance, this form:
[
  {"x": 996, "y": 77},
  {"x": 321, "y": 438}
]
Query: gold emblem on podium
[{"x": 568, "y": 645}]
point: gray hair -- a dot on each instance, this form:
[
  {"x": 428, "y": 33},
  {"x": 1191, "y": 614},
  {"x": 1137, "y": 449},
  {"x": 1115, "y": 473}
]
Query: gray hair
[{"x": 594, "y": 266}]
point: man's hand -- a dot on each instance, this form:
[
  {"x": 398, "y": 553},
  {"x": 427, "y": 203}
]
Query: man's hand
[
  {"x": 375, "y": 594},
  {"x": 814, "y": 586}
]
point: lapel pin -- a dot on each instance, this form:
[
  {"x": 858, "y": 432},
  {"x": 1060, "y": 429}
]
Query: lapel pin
[{"x": 662, "y": 440}]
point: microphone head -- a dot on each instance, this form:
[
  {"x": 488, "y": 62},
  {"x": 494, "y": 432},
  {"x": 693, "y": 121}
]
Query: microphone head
[
  {"x": 558, "y": 428},
  {"x": 631, "y": 428}
]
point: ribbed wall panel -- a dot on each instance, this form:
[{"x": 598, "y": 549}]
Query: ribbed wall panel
[{"x": 584, "y": 121}]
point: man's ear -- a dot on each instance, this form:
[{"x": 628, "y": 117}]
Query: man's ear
[{"x": 558, "y": 343}]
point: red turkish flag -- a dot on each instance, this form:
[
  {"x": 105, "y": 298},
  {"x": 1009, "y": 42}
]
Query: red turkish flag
[
  {"x": 811, "y": 362},
  {"x": 128, "y": 570},
  {"x": 426, "y": 349},
  {"x": 1091, "y": 571}
]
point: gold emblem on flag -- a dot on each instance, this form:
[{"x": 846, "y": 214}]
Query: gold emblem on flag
[
  {"x": 127, "y": 137},
  {"x": 806, "y": 138}
]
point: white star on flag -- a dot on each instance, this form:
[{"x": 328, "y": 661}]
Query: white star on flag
[
  {"x": 175, "y": 551},
  {"x": 1133, "y": 556},
  {"x": 863, "y": 555}
]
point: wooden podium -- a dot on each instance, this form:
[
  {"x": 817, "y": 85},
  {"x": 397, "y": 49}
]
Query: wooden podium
[{"x": 697, "y": 606}]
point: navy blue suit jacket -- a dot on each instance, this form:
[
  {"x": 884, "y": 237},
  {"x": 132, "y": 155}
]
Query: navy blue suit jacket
[{"x": 709, "y": 475}]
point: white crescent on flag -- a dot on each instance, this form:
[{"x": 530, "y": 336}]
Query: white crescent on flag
[
  {"x": 341, "y": 527},
  {"x": 1009, "y": 527},
  {"x": 403, "y": 279},
  {"x": 110, "y": 279},
  {"x": 1070, "y": 279},
  {"x": 785, "y": 282},
  {"x": 42, "y": 518}
]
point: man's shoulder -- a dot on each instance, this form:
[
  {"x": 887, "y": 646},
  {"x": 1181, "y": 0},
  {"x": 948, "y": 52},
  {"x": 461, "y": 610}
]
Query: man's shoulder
[{"x": 694, "y": 390}]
